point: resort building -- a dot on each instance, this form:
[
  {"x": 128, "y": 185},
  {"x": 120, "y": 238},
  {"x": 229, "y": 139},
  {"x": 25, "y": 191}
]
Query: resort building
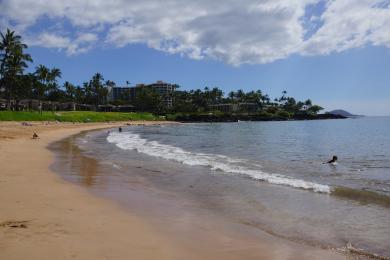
[
  {"x": 118, "y": 93},
  {"x": 130, "y": 93},
  {"x": 164, "y": 89}
]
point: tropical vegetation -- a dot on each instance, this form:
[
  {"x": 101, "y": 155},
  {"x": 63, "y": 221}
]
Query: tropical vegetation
[
  {"x": 42, "y": 84},
  {"x": 76, "y": 116}
]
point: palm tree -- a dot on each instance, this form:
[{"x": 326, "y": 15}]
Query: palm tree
[
  {"x": 110, "y": 83},
  {"x": 216, "y": 95},
  {"x": 98, "y": 90},
  {"x": 240, "y": 95},
  {"x": 42, "y": 74},
  {"x": 308, "y": 103},
  {"x": 265, "y": 100},
  {"x": 232, "y": 95},
  {"x": 79, "y": 95},
  {"x": 52, "y": 76},
  {"x": 13, "y": 61},
  {"x": 47, "y": 82},
  {"x": 70, "y": 91},
  {"x": 283, "y": 97}
]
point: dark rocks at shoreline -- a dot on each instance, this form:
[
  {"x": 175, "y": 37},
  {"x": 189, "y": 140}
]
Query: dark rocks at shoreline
[{"x": 236, "y": 118}]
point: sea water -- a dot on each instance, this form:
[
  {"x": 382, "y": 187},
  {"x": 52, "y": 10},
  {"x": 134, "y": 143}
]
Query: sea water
[{"x": 271, "y": 176}]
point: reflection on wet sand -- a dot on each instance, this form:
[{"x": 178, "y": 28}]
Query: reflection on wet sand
[{"x": 80, "y": 168}]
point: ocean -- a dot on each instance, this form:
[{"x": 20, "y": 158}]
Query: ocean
[{"x": 269, "y": 176}]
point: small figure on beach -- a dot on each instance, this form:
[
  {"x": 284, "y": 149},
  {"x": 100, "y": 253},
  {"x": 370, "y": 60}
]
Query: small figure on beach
[
  {"x": 333, "y": 161},
  {"x": 120, "y": 129},
  {"x": 26, "y": 124},
  {"x": 35, "y": 136}
]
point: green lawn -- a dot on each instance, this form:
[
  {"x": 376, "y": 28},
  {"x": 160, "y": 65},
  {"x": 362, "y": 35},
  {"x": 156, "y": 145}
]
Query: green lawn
[{"x": 75, "y": 116}]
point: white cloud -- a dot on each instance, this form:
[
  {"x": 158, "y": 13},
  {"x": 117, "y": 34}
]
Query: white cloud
[
  {"x": 49, "y": 40},
  {"x": 79, "y": 44},
  {"x": 351, "y": 24},
  {"x": 86, "y": 38},
  {"x": 235, "y": 32}
]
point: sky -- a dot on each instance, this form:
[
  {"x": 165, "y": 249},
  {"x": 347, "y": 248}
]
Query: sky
[{"x": 335, "y": 52}]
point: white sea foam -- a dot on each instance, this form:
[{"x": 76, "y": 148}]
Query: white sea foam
[
  {"x": 131, "y": 141},
  {"x": 116, "y": 166}
]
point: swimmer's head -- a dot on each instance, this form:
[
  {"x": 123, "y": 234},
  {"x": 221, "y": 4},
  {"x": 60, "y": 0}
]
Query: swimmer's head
[{"x": 334, "y": 158}]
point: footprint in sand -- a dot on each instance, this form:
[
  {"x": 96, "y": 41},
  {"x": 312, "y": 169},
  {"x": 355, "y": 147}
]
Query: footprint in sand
[{"x": 14, "y": 224}]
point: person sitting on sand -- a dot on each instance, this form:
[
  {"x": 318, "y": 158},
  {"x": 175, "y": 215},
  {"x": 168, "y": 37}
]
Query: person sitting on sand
[{"x": 35, "y": 136}]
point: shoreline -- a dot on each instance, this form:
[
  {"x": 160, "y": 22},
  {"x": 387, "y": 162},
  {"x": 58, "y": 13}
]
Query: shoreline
[
  {"x": 44, "y": 217},
  {"x": 41, "y": 210}
]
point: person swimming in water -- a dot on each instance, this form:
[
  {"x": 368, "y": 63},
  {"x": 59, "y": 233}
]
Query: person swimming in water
[{"x": 334, "y": 160}]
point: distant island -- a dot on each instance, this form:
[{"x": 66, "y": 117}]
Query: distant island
[{"x": 341, "y": 112}]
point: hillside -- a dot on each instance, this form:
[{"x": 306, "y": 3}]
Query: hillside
[{"x": 341, "y": 112}]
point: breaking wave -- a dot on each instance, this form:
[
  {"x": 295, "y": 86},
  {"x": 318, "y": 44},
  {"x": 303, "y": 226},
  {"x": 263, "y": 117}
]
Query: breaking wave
[{"x": 131, "y": 141}]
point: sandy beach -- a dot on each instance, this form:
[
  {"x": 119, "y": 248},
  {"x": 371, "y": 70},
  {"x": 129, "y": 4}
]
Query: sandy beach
[{"x": 44, "y": 217}]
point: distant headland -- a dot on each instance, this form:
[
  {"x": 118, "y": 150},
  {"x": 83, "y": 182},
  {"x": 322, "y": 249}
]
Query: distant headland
[{"x": 341, "y": 112}]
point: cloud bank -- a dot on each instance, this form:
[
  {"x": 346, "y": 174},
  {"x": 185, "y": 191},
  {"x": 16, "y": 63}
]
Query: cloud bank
[{"x": 234, "y": 32}]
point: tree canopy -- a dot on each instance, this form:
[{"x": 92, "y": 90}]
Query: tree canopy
[{"x": 13, "y": 61}]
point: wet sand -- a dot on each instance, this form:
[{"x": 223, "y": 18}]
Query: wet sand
[{"x": 44, "y": 217}]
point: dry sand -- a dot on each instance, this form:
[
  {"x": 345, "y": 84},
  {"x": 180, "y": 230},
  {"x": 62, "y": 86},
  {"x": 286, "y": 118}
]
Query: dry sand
[{"x": 44, "y": 217}]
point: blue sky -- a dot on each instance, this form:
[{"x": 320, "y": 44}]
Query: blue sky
[{"x": 336, "y": 53}]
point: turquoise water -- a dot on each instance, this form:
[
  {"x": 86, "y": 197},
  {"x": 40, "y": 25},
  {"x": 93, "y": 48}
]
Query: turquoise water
[{"x": 267, "y": 175}]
